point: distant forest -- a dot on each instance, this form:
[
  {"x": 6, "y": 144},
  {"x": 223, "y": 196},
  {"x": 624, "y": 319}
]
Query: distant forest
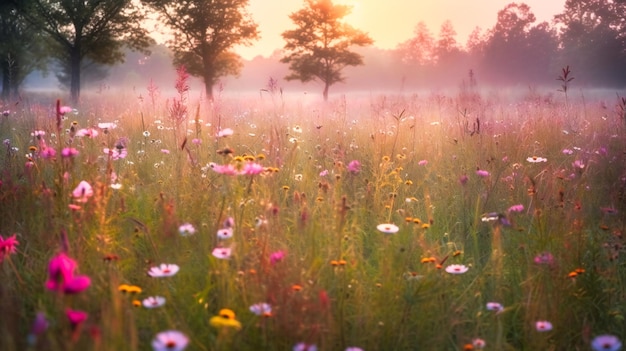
[{"x": 589, "y": 36}]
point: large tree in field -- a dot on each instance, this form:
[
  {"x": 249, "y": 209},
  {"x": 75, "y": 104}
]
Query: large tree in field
[
  {"x": 319, "y": 48},
  {"x": 205, "y": 32},
  {"x": 80, "y": 29}
]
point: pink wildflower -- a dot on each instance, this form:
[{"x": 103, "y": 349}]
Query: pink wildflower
[
  {"x": 225, "y": 132},
  {"x": 115, "y": 153},
  {"x": 76, "y": 317},
  {"x": 544, "y": 258},
  {"x": 7, "y": 246},
  {"x": 87, "y": 132},
  {"x": 277, "y": 256},
  {"x": 252, "y": 168},
  {"x": 69, "y": 152},
  {"x": 482, "y": 173},
  {"x": 48, "y": 152},
  {"x": 83, "y": 192},
  {"x": 354, "y": 167},
  {"x": 516, "y": 208},
  {"x": 226, "y": 169},
  {"x": 65, "y": 109},
  {"x": 423, "y": 163},
  {"x": 61, "y": 276}
]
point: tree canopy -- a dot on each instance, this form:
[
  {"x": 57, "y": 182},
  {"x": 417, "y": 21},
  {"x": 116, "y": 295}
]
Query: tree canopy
[
  {"x": 80, "y": 29},
  {"x": 204, "y": 34},
  {"x": 319, "y": 48}
]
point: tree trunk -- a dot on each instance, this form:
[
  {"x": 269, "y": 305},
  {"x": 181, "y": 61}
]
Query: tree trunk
[
  {"x": 208, "y": 87},
  {"x": 208, "y": 73},
  {"x": 326, "y": 86},
  {"x": 75, "y": 61},
  {"x": 6, "y": 82}
]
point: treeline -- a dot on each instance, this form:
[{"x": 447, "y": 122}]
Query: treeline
[{"x": 589, "y": 36}]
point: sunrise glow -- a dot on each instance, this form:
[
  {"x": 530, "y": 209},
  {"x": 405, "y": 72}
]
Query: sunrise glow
[{"x": 389, "y": 22}]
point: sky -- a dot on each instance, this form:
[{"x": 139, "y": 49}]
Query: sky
[{"x": 390, "y": 22}]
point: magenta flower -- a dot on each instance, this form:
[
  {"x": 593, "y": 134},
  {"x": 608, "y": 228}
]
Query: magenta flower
[
  {"x": 60, "y": 269},
  {"x": 83, "y": 192},
  {"x": 354, "y": 167},
  {"x": 196, "y": 141},
  {"x": 482, "y": 173},
  {"x": 61, "y": 276},
  {"x": 65, "y": 109},
  {"x": 252, "y": 168},
  {"x": 516, "y": 208},
  {"x": 324, "y": 173},
  {"x": 76, "y": 317},
  {"x": 69, "y": 152},
  {"x": 277, "y": 256},
  {"x": 423, "y": 163},
  {"x": 7, "y": 246},
  {"x": 48, "y": 152},
  {"x": 544, "y": 258}
]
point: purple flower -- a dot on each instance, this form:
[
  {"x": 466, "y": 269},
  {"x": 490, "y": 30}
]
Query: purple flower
[
  {"x": 354, "y": 167},
  {"x": 606, "y": 343},
  {"x": 516, "y": 208}
]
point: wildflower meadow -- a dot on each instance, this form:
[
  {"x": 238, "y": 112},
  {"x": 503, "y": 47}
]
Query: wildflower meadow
[{"x": 432, "y": 221}]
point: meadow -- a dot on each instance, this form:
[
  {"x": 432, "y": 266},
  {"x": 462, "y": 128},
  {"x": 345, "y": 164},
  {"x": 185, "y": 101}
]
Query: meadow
[{"x": 460, "y": 221}]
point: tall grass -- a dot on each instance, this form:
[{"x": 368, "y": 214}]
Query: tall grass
[{"x": 341, "y": 281}]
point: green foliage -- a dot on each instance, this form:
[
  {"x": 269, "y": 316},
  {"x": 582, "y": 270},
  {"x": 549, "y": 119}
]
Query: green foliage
[
  {"x": 319, "y": 48},
  {"x": 204, "y": 34},
  {"x": 94, "y": 29},
  {"x": 340, "y": 275}
]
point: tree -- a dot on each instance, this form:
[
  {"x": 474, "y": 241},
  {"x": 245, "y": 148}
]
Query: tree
[
  {"x": 319, "y": 48},
  {"x": 515, "y": 49},
  {"x": 593, "y": 36},
  {"x": 420, "y": 49},
  {"x": 204, "y": 32},
  {"x": 20, "y": 50},
  {"x": 80, "y": 29}
]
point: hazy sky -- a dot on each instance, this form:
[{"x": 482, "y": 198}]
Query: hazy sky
[{"x": 390, "y": 22}]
